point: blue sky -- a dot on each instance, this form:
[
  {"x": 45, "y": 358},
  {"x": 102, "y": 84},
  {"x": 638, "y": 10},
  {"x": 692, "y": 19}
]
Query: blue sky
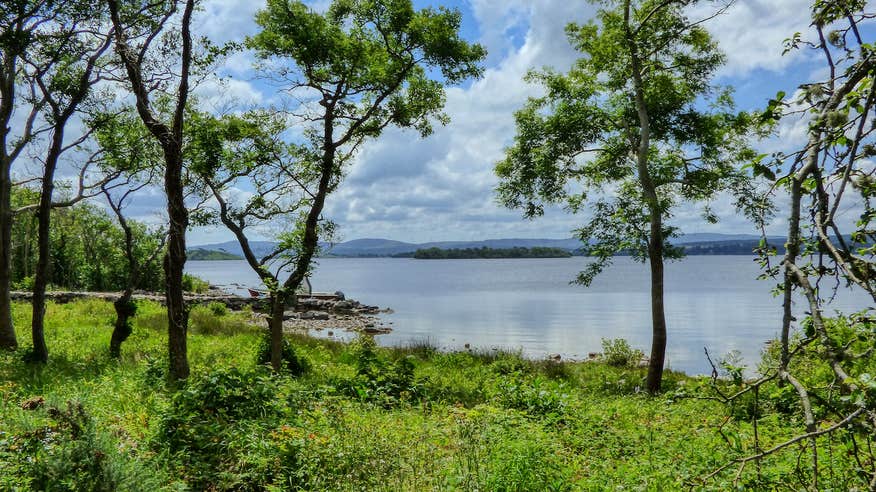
[{"x": 441, "y": 188}]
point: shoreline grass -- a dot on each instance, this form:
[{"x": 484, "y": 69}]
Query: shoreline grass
[{"x": 362, "y": 418}]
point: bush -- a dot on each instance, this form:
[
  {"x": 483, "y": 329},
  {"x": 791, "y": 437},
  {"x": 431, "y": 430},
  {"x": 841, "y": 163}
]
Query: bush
[
  {"x": 70, "y": 454},
  {"x": 618, "y": 353},
  {"x": 295, "y": 363},
  {"x": 510, "y": 363},
  {"x": 533, "y": 397},
  {"x": 200, "y": 426},
  {"x": 379, "y": 380},
  {"x": 217, "y": 308},
  {"x": 191, "y": 283}
]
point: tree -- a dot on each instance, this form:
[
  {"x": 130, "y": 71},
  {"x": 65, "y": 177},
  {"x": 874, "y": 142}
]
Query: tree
[
  {"x": 139, "y": 255},
  {"x": 55, "y": 53},
  {"x": 358, "y": 68},
  {"x": 248, "y": 152},
  {"x": 828, "y": 367},
  {"x": 137, "y": 26},
  {"x": 626, "y": 135},
  {"x": 20, "y": 20},
  {"x": 65, "y": 65}
]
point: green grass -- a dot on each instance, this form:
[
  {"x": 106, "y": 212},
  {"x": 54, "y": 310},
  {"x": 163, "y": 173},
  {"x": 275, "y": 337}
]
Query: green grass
[{"x": 356, "y": 420}]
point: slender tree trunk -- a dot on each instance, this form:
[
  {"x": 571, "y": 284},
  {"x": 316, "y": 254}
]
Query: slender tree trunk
[
  {"x": 658, "y": 316},
  {"x": 649, "y": 192},
  {"x": 7, "y": 95},
  {"x": 7, "y": 330},
  {"x": 44, "y": 218},
  {"x": 125, "y": 310},
  {"x": 174, "y": 263},
  {"x": 275, "y": 323},
  {"x": 311, "y": 224}
]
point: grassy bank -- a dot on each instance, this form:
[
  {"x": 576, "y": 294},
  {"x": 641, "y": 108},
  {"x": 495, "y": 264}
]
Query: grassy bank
[{"x": 358, "y": 418}]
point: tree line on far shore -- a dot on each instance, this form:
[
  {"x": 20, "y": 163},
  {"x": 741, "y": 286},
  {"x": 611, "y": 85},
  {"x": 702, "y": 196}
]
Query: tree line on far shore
[{"x": 487, "y": 253}]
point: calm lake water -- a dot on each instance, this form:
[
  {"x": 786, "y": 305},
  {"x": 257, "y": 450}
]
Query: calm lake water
[{"x": 528, "y": 304}]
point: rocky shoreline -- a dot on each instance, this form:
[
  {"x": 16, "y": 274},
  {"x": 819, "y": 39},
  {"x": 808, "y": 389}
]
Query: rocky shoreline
[
  {"x": 319, "y": 312},
  {"x": 338, "y": 314}
]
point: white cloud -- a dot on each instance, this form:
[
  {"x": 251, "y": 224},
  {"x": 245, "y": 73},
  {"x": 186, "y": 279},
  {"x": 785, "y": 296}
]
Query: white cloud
[
  {"x": 407, "y": 188},
  {"x": 751, "y": 32}
]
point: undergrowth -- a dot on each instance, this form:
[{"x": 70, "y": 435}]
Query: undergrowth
[{"x": 361, "y": 418}]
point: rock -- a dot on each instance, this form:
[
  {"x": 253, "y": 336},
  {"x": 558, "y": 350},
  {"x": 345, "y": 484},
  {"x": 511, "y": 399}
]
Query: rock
[
  {"x": 343, "y": 307},
  {"x": 593, "y": 355},
  {"x": 340, "y": 295},
  {"x": 287, "y": 315},
  {"x": 375, "y": 330},
  {"x": 33, "y": 403},
  {"x": 317, "y": 315},
  {"x": 330, "y": 333},
  {"x": 555, "y": 357},
  {"x": 467, "y": 346}
]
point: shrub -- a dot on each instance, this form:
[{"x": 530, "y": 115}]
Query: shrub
[
  {"x": 618, "y": 353},
  {"x": 204, "y": 420},
  {"x": 534, "y": 397},
  {"x": 217, "y": 308},
  {"x": 191, "y": 283},
  {"x": 379, "y": 380},
  {"x": 70, "y": 454},
  {"x": 509, "y": 363},
  {"x": 295, "y": 363}
]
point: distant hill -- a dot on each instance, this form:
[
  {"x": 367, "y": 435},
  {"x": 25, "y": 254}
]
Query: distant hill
[
  {"x": 695, "y": 244},
  {"x": 488, "y": 253},
  {"x": 200, "y": 254},
  {"x": 260, "y": 248}
]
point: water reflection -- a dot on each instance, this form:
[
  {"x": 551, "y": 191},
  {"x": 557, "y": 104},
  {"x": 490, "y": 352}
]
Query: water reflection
[{"x": 528, "y": 304}]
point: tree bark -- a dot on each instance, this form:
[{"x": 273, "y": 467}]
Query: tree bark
[
  {"x": 41, "y": 278},
  {"x": 170, "y": 138},
  {"x": 7, "y": 97},
  {"x": 311, "y": 223},
  {"x": 275, "y": 324},
  {"x": 174, "y": 263},
  {"x": 649, "y": 192},
  {"x": 7, "y": 330},
  {"x": 658, "y": 316}
]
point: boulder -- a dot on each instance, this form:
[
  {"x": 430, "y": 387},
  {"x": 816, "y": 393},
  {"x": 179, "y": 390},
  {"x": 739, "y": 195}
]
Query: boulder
[
  {"x": 345, "y": 307},
  {"x": 316, "y": 315}
]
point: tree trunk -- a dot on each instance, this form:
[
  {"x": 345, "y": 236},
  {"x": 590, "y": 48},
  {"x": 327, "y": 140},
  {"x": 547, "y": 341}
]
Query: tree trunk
[
  {"x": 125, "y": 310},
  {"x": 275, "y": 323},
  {"x": 174, "y": 263},
  {"x": 649, "y": 192},
  {"x": 44, "y": 219},
  {"x": 658, "y": 316},
  {"x": 7, "y": 330}
]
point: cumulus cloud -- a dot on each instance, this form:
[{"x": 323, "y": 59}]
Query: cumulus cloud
[
  {"x": 404, "y": 187},
  {"x": 751, "y": 32}
]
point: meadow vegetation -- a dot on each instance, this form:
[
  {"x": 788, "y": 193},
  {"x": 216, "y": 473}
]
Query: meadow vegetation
[{"x": 360, "y": 417}]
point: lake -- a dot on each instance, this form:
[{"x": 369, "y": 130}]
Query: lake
[{"x": 528, "y": 304}]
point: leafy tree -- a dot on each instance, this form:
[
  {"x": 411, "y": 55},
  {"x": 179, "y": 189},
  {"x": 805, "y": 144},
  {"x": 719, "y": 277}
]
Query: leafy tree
[
  {"x": 632, "y": 130},
  {"x": 65, "y": 65},
  {"x": 54, "y": 52},
  {"x": 826, "y": 370},
  {"x": 150, "y": 51},
  {"x": 357, "y": 68},
  {"x": 138, "y": 259}
]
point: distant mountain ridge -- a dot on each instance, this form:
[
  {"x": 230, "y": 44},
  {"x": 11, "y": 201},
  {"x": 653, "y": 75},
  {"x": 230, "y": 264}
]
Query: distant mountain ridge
[{"x": 700, "y": 243}]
